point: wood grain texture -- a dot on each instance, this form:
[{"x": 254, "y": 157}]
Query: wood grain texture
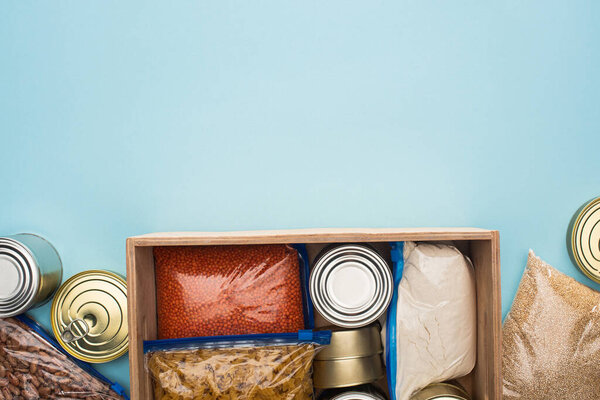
[
  {"x": 141, "y": 306},
  {"x": 322, "y": 235},
  {"x": 483, "y": 245},
  {"x": 487, "y": 376}
]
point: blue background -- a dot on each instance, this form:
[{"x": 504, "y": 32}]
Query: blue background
[{"x": 119, "y": 119}]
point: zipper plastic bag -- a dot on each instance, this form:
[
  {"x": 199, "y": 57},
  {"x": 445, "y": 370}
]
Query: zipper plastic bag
[
  {"x": 231, "y": 290},
  {"x": 431, "y": 326},
  {"x": 244, "y": 367},
  {"x": 34, "y": 366}
]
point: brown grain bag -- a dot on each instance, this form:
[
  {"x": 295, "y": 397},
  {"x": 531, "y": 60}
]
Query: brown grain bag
[{"x": 551, "y": 338}]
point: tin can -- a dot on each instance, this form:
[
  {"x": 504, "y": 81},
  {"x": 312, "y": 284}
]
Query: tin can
[
  {"x": 354, "y": 357},
  {"x": 351, "y": 285},
  {"x": 363, "y": 392},
  {"x": 352, "y": 343},
  {"x": 89, "y": 316},
  {"x": 345, "y": 372},
  {"x": 30, "y": 272},
  {"x": 441, "y": 391},
  {"x": 583, "y": 239}
]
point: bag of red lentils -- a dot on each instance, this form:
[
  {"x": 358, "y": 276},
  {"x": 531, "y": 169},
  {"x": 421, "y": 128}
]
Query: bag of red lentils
[
  {"x": 270, "y": 366},
  {"x": 231, "y": 290}
]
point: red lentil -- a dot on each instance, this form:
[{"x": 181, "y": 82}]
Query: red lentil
[{"x": 227, "y": 290}]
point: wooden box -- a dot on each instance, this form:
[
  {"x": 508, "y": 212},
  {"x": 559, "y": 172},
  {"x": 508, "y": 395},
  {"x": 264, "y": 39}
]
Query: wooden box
[{"x": 482, "y": 246}]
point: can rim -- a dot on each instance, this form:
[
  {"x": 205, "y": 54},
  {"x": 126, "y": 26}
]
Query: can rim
[
  {"x": 383, "y": 294},
  {"x": 57, "y": 333},
  {"x": 354, "y": 395},
  {"x": 573, "y": 228},
  {"x": 30, "y": 273},
  {"x": 453, "y": 391}
]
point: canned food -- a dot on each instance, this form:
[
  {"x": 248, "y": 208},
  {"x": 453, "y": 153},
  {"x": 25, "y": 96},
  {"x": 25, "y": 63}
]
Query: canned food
[
  {"x": 345, "y": 372},
  {"x": 352, "y": 343},
  {"x": 30, "y": 272},
  {"x": 352, "y": 358},
  {"x": 441, "y": 391},
  {"x": 89, "y": 316},
  {"x": 363, "y": 392},
  {"x": 351, "y": 285},
  {"x": 583, "y": 239}
]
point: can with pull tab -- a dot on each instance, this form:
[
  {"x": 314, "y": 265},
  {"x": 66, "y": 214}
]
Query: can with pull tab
[{"x": 89, "y": 316}]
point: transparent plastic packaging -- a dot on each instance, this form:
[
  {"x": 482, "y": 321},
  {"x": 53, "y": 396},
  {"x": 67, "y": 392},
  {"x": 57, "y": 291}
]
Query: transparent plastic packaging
[
  {"x": 431, "y": 329},
  {"x": 231, "y": 290},
  {"x": 245, "y": 367},
  {"x": 33, "y": 367},
  {"x": 551, "y": 338}
]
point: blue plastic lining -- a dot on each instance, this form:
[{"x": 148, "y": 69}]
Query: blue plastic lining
[
  {"x": 309, "y": 320},
  {"x": 302, "y": 336},
  {"x": 83, "y": 365},
  {"x": 397, "y": 254}
]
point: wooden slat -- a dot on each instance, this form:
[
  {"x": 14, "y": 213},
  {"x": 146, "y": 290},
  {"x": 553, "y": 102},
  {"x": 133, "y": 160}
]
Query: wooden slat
[
  {"x": 141, "y": 306},
  {"x": 329, "y": 235},
  {"x": 487, "y": 376}
]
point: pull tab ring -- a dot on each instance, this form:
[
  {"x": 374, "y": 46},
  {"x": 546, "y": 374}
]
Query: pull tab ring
[{"x": 70, "y": 335}]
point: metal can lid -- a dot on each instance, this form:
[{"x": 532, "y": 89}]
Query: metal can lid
[
  {"x": 20, "y": 278},
  {"x": 361, "y": 392},
  {"x": 583, "y": 239},
  {"x": 351, "y": 285},
  {"x": 441, "y": 391},
  {"x": 356, "y": 396},
  {"x": 89, "y": 316}
]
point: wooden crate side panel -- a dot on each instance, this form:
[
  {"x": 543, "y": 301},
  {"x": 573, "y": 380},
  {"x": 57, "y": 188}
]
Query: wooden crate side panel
[
  {"x": 141, "y": 292},
  {"x": 487, "y": 374},
  {"x": 329, "y": 235}
]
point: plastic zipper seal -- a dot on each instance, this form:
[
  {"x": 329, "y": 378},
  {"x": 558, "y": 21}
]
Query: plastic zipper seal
[
  {"x": 309, "y": 320},
  {"x": 391, "y": 352},
  {"x": 282, "y": 339},
  {"x": 37, "y": 328}
]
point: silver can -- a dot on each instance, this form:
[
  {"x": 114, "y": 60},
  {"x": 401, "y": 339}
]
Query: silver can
[
  {"x": 442, "y": 391},
  {"x": 363, "y": 392},
  {"x": 31, "y": 271},
  {"x": 351, "y": 285}
]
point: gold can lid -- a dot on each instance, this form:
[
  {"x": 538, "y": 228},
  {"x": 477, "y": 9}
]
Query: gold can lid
[
  {"x": 583, "y": 239},
  {"x": 89, "y": 316}
]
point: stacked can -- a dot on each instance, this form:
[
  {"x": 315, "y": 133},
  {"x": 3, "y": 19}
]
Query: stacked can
[
  {"x": 351, "y": 285},
  {"x": 442, "y": 391},
  {"x": 352, "y": 358},
  {"x": 363, "y": 392},
  {"x": 30, "y": 272}
]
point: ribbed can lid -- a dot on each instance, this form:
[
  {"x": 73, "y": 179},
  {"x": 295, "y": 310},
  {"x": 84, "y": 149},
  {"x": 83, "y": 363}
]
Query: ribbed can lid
[
  {"x": 583, "y": 239},
  {"x": 351, "y": 285},
  {"x": 20, "y": 278},
  {"x": 89, "y": 316},
  {"x": 441, "y": 391},
  {"x": 356, "y": 396}
]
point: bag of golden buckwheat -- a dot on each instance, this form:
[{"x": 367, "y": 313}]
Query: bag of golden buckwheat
[{"x": 551, "y": 338}]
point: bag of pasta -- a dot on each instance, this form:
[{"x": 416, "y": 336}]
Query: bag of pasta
[{"x": 269, "y": 366}]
